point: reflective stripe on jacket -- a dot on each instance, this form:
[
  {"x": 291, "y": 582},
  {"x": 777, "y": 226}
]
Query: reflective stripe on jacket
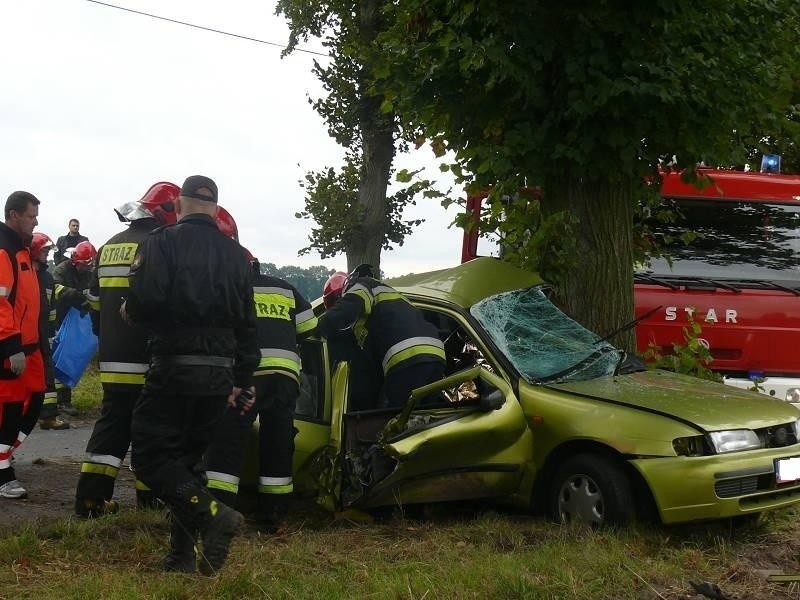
[{"x": 384, "y": 323}]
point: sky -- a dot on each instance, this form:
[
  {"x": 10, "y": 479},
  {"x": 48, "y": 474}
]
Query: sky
[{"x": 99, "y": 103}]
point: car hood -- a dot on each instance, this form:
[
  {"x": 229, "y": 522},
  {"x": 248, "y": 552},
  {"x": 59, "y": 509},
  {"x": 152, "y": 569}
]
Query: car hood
[{"x": 708, "y": 405}]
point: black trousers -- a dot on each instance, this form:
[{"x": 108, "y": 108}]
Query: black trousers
[
  {"x": 276, "y": 396},
  {"x": 108, "y": 444},
  {"x": 400, "y": 381},
  {"x": 10, "y": 423},
  {"x": 169, "y": 434}
]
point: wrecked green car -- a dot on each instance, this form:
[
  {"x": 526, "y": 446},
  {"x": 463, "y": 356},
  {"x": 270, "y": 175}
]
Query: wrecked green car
[{"x": 537, "y": 412}]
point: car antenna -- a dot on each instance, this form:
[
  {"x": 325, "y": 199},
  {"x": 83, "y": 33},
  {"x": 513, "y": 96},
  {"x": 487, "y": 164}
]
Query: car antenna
[{"x": 629, "y": 325}]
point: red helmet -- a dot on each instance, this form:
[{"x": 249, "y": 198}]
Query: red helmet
[
  {"x": 333, "y": 288},
  {"x": 226, "y": 224},
  {"x": 83, "y": 254},
  {"x": 41, "y": 244},
  {"x": 160, "y": 201}
]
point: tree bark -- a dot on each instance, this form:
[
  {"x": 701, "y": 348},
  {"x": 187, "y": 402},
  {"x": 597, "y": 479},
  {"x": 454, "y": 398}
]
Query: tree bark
[
  {"x": 604, "y": 253},
  {"x": 377, "y": 131}
]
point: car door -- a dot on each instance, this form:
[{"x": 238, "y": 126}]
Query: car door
[{"x": 449, "y": 448}]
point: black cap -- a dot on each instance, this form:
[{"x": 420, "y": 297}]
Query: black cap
[{"x": 198, "y": 182}]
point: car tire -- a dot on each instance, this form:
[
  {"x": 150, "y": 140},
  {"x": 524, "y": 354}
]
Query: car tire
[{"x": 592, "y": 490}]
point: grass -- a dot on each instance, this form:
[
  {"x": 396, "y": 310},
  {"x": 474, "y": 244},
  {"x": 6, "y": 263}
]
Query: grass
[
  {"x": 88, "y": 394},
  {"x": 454, "y": 551},
  {"x": 457, "y": 553}
]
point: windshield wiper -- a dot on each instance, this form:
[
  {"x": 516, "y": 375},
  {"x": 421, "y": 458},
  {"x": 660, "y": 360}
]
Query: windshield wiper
[
  {"x": 721, "y": 284},
  {"x": 580, "y": 364},
  {"x": 655, "y": 280},
  {"x": 780, "y": 286}
]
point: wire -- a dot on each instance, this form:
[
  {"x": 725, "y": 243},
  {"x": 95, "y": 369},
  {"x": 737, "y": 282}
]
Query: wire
[{"x": 236, "y": 35}]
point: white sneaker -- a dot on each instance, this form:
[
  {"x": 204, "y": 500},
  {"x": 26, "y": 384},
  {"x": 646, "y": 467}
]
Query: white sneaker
[{"x": 13, "y": 489}]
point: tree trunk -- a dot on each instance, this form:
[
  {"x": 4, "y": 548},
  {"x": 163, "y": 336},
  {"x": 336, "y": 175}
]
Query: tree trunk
[
  {"x": 604, "y": 245},
  {"x": 377, "y": 132}
]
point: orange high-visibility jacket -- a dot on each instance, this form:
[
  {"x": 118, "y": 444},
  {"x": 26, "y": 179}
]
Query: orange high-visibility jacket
[{"x": 19, "y": 318}]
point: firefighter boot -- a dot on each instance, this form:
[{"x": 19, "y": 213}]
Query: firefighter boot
[
  {"x": 217, "y": 534},
  {"x": 182, "y": 557},
  {"x": 92, "y": 508},
  {"x": 146, "y": 499},
  {"x": 272, "y": 511},
  {"x": 53, "y": 422}
]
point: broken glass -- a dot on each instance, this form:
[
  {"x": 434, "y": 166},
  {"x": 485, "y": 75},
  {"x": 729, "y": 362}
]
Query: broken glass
[{"x": 543, "y": 343}]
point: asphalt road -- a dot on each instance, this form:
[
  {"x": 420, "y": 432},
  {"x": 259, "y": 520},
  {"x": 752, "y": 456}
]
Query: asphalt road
[{"x": 50, "y": 444}]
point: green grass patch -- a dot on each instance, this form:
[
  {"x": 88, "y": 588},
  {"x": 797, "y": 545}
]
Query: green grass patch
[
  {"x": 465, "y": 554},
  {"x": 88, "y": 394}
]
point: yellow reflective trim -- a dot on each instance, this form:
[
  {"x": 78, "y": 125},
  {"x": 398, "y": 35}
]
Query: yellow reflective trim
[
  {"x": 94, "y": 305},
  {"x": 50, "y": 398},
  {"x": 117, "y": 254},
  {"x": 276, "y": 489},
  {"x": 142, "y": 486},
  {"x": 411, "y": 353},
  {"x": 306, "y": 325},
  {"x": 277, "y": 371},
  {"x": 385, "y": 296},
  {"x": 273, "y": 306},
  {"x": 285, "y": 363},
  {"x": 225, "y": 486},
  {"x": 59, "y": 290},
  {"x": 115, "y": 282},
  {"x": 98, "y": 469},
  {"x": 132, "y": 378}
]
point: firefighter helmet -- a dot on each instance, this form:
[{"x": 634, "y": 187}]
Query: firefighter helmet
[
  {"x": 159, "y": 200},
  {"x": 83, "y": 254},
  {"x": 226, "y": 224},
  {"x": 333, "y": 288},
  {"x": 41, "y": 244}
]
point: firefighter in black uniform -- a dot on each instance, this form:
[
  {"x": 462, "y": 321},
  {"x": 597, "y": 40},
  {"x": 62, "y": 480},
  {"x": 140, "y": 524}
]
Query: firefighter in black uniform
[
  {"x": 123, "y": 353},
  {"x": 283, "y": 316},
  {"x": 191, "y": 287},
  {"x": 391, "y": 329},
  {"x": 72, "y": 278}
]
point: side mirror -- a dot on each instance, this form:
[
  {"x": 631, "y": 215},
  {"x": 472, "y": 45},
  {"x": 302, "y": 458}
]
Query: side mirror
[{"x": 492, "y": 401}]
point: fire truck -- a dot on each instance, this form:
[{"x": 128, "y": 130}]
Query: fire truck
[{"x": 738, "y": 278}]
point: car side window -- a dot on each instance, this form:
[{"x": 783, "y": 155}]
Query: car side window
[{"x": 311, "y": 401}]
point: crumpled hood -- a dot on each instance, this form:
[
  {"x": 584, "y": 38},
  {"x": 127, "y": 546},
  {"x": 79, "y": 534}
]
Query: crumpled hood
[{"x": 708, "y": 405}]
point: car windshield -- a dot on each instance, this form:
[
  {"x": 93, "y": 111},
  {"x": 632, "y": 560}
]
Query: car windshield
[
  {"x": 739, "y": 240},
  {"x": 543, "y": 343}
]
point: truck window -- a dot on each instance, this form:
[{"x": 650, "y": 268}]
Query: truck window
[{"x": 735, "y": 239}]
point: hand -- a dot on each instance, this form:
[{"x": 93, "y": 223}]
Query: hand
[
  {"x": 17, "y": 363},
  {"x": 123, "y": 312}
]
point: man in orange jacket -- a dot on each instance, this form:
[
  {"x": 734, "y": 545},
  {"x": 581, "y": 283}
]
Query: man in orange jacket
[{"x": 22, "y": 367}]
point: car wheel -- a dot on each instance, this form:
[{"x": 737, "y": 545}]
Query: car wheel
[{"x": 593, "y": 490}]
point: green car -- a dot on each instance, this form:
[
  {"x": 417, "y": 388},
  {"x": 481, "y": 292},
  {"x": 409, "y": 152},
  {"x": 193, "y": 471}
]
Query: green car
[{"x": 537, "y": 412}]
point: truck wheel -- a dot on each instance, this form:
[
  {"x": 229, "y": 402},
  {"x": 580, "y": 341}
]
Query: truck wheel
[{"x": 593, "y": 490}]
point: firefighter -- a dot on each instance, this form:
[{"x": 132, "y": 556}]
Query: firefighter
[
  {"x": 22, "y": 367},
  {"x": 191, "y": 287},
  {"x": 283, "y": 317},
  {"x": 43, "y": 404},
  {"x": 390, "y": 329},
  {"x": 72, "y": 278},
  {"x": 122, "y": 351},
  {"x": 366, "y": 386}
]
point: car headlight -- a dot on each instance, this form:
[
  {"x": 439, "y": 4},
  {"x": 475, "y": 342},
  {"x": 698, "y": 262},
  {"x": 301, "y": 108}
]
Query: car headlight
[{"x": 734, "y": 440}]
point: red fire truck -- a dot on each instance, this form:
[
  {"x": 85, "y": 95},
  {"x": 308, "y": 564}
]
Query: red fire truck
[{"x": 739, "y": 278}]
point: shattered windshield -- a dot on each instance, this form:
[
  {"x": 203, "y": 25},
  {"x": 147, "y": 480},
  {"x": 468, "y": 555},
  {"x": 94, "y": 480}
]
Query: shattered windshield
[{"x": 543, "y": 343}]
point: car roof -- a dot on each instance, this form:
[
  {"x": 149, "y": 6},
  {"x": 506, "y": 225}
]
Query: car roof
[{"x": 467, "y": 283}]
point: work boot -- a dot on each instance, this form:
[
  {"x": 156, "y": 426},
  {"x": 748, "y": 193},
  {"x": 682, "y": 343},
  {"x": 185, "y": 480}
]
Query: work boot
[
  {"x": 147, "y": 500},
  {"x": 182, "y": 556},
  {"x": 217, "y": 534},
  {"x": 53, "y": 423},
  {"x": 92, "y": 508},
  {"x": 272, "y": 511}
]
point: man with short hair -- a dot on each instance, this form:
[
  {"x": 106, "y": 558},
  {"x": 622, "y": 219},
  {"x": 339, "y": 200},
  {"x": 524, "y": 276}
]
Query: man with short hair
[
  {"x": 22, "y": 367},
  {"x": 191, "y": 287},
  {"x": 70, "y": 240}
]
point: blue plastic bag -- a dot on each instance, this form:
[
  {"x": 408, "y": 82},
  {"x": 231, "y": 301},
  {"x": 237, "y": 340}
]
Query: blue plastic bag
[{"x": 74, "y": 346}]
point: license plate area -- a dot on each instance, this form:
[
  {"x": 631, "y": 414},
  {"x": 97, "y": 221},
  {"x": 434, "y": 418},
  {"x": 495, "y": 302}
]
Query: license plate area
[{"x": 787, "y": 470}]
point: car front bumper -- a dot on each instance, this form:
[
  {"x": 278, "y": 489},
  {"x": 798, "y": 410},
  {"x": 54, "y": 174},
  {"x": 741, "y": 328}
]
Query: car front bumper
[{"x": 721, "y": 486}]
